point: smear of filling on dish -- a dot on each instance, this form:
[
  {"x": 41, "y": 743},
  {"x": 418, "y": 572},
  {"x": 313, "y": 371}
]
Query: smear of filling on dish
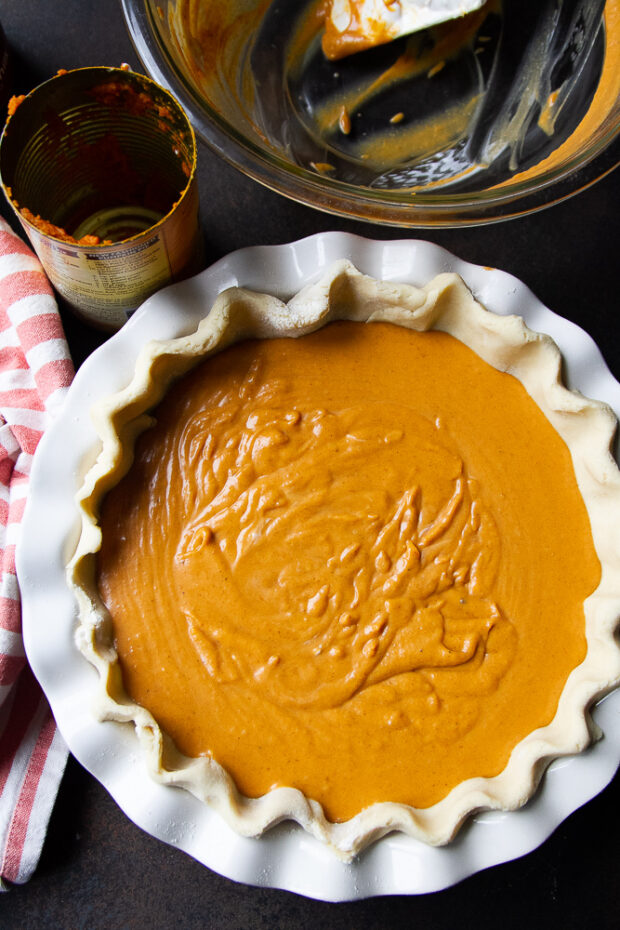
[
  {"x": 502, "y": 93},
  {"x": 355, "y": 25},
  {"x": 353, "y": 563}
]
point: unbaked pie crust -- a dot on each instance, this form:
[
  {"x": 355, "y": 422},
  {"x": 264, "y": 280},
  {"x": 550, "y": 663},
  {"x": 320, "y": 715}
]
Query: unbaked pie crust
[{"x": 445, "y": 304}]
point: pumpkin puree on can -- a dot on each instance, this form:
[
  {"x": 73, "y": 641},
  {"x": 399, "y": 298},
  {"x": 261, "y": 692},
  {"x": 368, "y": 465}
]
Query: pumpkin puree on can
[{"x": 352, "y": 563}]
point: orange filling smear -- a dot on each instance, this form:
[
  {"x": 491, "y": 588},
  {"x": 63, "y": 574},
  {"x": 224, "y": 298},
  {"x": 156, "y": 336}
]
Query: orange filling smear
[
  {"x": 14, "y": 103},
  {"x": 338, "y": 43},
  {"x": 50, "y": 229},
  {"x": 334, "y": 567},
  {"x": 601, "y": 111},
  {"x": 361, "y": 34}
]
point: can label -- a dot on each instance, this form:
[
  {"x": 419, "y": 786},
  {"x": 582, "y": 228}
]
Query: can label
[{"x": 106, "y": 284}]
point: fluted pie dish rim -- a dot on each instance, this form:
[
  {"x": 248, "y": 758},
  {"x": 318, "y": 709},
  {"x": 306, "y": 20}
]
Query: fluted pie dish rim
[{"x": 288, "y": 261}]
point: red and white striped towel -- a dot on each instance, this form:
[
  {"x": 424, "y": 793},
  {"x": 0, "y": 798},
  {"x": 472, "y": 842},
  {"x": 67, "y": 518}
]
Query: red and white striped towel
[{"x": 35, "y": 372}]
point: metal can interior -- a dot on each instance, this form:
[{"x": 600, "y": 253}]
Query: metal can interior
[
  {"x": 97, "y": 152},
  {"x": 99, "y": 165}
]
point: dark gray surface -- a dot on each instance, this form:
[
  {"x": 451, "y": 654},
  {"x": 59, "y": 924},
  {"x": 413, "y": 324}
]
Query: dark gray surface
[{"x": 100, "y": 871}]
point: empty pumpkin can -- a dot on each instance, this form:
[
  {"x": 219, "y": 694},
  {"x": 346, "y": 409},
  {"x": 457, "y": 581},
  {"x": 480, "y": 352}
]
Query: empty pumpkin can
[{"x": 100, "y": 166}]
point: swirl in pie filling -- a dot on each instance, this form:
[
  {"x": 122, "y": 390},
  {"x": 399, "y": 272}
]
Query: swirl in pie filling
[{"x": 352, "y": 563}]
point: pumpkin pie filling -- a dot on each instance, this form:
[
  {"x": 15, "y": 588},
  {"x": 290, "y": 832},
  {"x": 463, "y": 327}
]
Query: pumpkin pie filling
[{"x": 334, "y": 568}]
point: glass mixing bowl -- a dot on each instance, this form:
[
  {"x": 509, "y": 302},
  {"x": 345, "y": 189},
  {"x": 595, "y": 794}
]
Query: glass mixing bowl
[{"x": 508, "y": 111}]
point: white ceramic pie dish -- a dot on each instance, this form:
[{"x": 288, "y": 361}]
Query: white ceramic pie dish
[{"x": 285, "y": 857}]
